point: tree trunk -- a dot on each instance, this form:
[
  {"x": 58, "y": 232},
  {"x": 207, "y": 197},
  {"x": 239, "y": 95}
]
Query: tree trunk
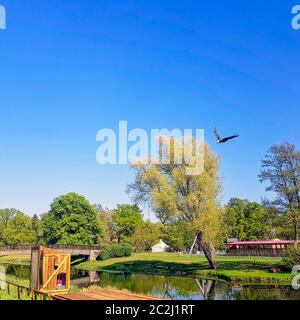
[
  {"x": 295, "y": 223},
  {"x": 208, "y": 250},
  {"x": 296, "y": 232}
]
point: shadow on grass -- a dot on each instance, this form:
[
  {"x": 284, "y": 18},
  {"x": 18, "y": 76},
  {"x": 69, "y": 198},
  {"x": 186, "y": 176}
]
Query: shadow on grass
[
  {"x": 162, "y": 267},
  {"x": 247, "y": 265},
  {"x": 152, "y": 266}
]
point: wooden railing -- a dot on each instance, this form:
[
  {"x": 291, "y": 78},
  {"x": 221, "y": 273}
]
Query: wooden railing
[
  {"x": 262, "y": 252},
  {"x": 25, "y": 291}
]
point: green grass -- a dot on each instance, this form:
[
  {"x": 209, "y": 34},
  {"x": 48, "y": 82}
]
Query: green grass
[
  {"x": 13, "y": 290},
  {"x": 15, "y": 260},
  {"x": 236, "y": 269},
  {"x": 5, "y": 296},
  {"x": 18, "y": 260}
]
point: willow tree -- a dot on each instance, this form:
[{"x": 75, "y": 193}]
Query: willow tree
[{"x": 175, "y": 194}]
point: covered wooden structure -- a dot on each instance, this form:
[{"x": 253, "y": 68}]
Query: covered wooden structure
[
  {"x": 50, "y": 270},
  {"x": 267, "y": 248}
]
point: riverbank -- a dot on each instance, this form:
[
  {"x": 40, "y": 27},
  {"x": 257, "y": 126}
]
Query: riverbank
[{"x": 233, "y": 269}]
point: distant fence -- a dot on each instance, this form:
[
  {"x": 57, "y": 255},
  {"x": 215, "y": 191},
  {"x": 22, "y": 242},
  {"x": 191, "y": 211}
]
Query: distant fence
[{"x": 279, "y": 252}]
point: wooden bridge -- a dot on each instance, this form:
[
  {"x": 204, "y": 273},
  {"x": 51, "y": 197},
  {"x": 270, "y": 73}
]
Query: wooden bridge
[{"x": 91, "y": 252}]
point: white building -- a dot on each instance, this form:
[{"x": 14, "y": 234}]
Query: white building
[{"x": 160, "y": 247}]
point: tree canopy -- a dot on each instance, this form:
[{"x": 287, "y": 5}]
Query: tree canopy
[
  {"x": 71, "y": 220},
  {"x": 16, "y": 228},
  {"x": 246, "y": 220},
  {"x": 107, "y": 220},
  {"x": 145, "y": 236},
  {"x": 281, "y": 169},
  {"x": 127, "y": 218}
]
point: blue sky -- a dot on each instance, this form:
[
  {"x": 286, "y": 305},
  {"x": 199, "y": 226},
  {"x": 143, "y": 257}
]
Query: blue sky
[{"x": 69, "y": 68}]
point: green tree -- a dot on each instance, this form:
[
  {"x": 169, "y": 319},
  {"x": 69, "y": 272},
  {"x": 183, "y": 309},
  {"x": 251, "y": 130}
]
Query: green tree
[
  {"x": 19, "y": 231},
  {"x": 278, "y": 227},
  {"x": 5, "y": 216},
  {"x": 281, "y": 169},
  {"x": 106, "y": 218},
  {"x": 71, "y": 220},
  {"x": 36, "y": 227},
  {"x": 246, "y": 220},
  {"x": 175, "y": 195},
  {"x": 179, "y": 235},
  {"x": 145, "y": 236},
  {"x": 127, "y": 218}
]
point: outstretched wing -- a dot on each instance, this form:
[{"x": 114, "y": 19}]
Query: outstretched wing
[
  {"x": 217, "y": 135},
  {"x": 230, "y": 138}
]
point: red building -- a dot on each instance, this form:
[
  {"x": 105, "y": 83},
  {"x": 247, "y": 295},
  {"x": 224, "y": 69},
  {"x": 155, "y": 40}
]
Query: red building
[{"x": 267, "y": 248}]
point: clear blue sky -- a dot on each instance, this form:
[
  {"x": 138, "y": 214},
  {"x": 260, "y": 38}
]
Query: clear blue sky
[{"x": 71, "y": 67}]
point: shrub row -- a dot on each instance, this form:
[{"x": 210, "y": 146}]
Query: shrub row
[
  {"x": 115, "y": 251},
  {"x": 292, "y": 257}
]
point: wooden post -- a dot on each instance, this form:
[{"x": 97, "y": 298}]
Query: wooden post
[{"x": 19, "y": 293}]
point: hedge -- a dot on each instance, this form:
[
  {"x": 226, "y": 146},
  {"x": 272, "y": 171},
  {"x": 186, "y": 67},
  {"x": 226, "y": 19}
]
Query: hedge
[
  {"x": 104, "y": 255},
  {"x": 116, "y": 251}
]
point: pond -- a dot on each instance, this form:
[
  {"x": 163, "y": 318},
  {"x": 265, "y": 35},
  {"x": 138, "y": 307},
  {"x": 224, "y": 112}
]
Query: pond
[{"x": 172, "y": 287}]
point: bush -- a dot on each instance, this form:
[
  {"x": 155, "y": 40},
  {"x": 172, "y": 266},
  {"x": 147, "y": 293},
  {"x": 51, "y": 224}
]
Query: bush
[
  {"x": 116, "y": 251},
  {"x": 104, "y": 255},
  {"x": 292, "y": 257},
  {"x": 127, "y": 249}
]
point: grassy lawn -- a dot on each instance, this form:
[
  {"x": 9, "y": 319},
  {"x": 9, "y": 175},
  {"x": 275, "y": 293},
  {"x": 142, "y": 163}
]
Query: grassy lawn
[
  {"x": 5, "y": 296},
  {"x": 13, "y": 290},
  {"x": 15, "y": 260},
  {"x": 238, "y": 269}
]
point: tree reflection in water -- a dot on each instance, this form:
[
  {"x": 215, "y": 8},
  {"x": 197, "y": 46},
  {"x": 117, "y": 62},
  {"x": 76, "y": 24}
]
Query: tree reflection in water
[
  {"x": 207, "y": 288},
  {"x": 172, "y": 287}
]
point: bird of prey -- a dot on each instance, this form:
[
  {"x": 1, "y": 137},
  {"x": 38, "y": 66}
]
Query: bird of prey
[{"x": 224, "y": 140}]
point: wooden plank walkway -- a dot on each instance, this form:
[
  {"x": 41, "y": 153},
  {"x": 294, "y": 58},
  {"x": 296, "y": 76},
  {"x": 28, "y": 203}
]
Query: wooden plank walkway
[{"x": 103, "y": 295}]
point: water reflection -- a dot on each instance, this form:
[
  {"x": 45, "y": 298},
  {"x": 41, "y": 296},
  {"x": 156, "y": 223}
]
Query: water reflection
[
  {"x": 84, "y": 278},
  {"x": 191, "y": 288},
  {"x": 172, "y": 287},
  {"x": 207, "y": 288},
  {"x": 21, "y": 272}
]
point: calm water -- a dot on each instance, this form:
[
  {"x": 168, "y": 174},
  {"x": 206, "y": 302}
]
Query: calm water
[{"x": 173, "y": 287}]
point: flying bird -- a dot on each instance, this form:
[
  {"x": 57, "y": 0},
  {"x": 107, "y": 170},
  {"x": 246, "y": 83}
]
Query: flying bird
[{"x": 224, "y": 140}]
